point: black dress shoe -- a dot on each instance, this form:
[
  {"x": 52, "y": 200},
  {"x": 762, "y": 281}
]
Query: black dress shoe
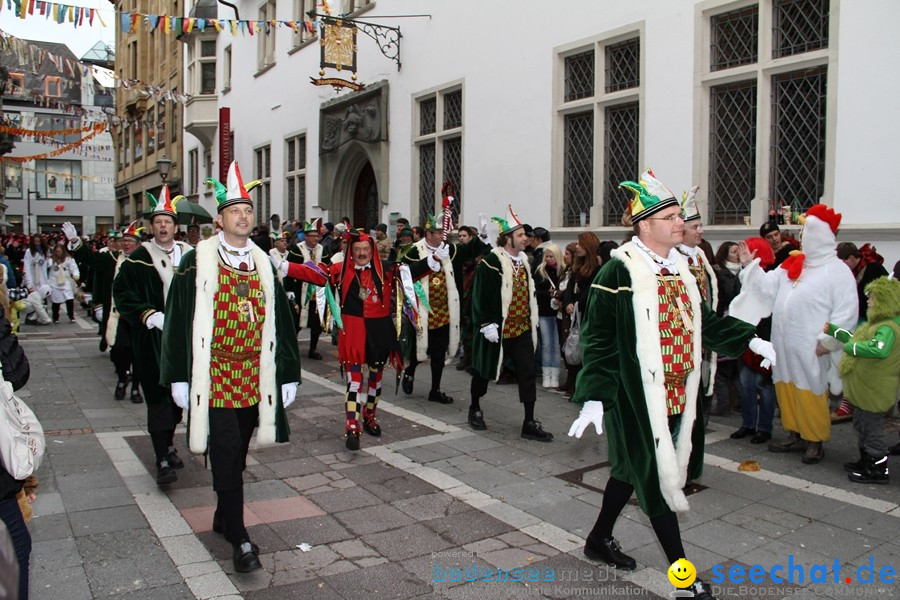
[
  {"x": 761, "y": 437},
  {"x": 136, "y": 397},
  {"x": 246, "y": 557},
  {"x": 439, "y": 396},
  {"x": 175, "y": 460},
  {"x": 476, "y": 420},
  {"x": 532, "y": 430},
  {"x": 701, "y": 590},
  {"x": 165, "y": 474},
  {"x": 120, "y": 390},
  {"x": 352, "y": 441},
  {"x": 103, "y": 344},
  {"x": 370, "y": 426},
  {"x": 314, "y": 355},
  {"x": 407, "y": 383},
  {"x": 744, "y": 432},
  {"x": 608, "y": 551}
]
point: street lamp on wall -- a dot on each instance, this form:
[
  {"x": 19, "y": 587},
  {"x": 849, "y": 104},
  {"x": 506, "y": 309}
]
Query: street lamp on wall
[{"x": 163, "y": 164}]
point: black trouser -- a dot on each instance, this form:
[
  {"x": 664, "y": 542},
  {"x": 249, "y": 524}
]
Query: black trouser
[
  {"x": 520, "y": 351},
  {"x": 11, "y": 516},
  {"x": 70, "y": 309},
  {"x": 230, "y": 430},
  {"x": 121, "y": 356},
  {"x": 161, "y": 422},
  {"x": 438, "y": 344},
  {"x": 315, "y": 327}
]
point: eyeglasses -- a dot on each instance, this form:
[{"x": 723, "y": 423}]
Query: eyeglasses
[{"x": 670, "y": 218}]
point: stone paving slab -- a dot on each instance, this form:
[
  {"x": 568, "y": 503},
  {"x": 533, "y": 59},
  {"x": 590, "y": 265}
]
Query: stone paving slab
[{"x": 386, "y": 515}]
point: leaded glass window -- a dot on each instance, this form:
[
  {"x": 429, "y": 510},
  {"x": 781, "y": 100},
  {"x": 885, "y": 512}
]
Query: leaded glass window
[
  {"x": 799, "y": 26},
  {"x": 579, "y": 82},
  {"x": 623, "y": 65},
  {"x": 734, "y": 38},
  {"x": 732, "y": 151},
  {"x": 621, "y": 145},
  {"x": 453, "y": 171},
  {"x": 453, "y": 117},
  {"x": 426, "y": 178},
  {"x": 427, "y": 116},
  {"x": 798, "y": 137},
  {"x": 578, "y": 168}
]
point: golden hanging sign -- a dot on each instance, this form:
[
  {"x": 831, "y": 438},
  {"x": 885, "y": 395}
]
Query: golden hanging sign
[{"x": 338, "y": 43}]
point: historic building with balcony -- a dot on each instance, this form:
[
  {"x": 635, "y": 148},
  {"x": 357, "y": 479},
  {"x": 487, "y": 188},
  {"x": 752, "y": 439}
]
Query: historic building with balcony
[
  {"x": 62, "y": 105},
  {"x": 150, "y": 124},
  {"x": 762, "y": 103}
]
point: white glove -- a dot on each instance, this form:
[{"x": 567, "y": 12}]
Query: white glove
[
  {"x": 280, "y": 265},
  {"x": 491, "y": 333},
  {"x": 180, "y": 395},
  {"x": 482, "y": 225},
  {"x": 155, "y": 320},
  {"x": 433, "y": 263},
  {"x": 764, "y": 349},
  {"x": 98, "y": 313},
  {"x": 70, "y": 232},
  {"x": 443, "y": 251},
  {"x": 291, "y": 295},
  {"x": 591, "y": 412},
  {"x": 288, "y": 393}
]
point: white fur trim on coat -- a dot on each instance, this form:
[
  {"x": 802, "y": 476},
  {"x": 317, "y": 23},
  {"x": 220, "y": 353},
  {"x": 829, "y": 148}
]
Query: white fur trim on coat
[
  {"x": 163, "y": 264},
  {"x": 671, "y": 461},
  {"x": 207, "y": 262},
  {"x": 506, "y": 293},
  {"x": 452, "y": 303},
  {"x": 301, "y": 299},
  {"x": 112, "y": 319}
]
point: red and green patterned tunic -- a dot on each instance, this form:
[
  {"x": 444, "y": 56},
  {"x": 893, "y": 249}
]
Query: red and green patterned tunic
[
  {"x": 437, "y": 299},
  {"x": 518, "y": 318},
  {"x": 237, "y": 335},
  {"x": 676, "y": 341}
]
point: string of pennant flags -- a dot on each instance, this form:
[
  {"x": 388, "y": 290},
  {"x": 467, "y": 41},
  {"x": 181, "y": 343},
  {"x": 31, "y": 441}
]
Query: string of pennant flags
[
  {"x": 36, "y": 57},
  {"x": 80, "y": 16},
  {"x": 57, "y": 152}
]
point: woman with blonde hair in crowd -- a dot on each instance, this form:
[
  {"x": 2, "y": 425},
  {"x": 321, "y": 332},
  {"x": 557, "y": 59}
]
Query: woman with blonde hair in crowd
[{"x": 546, "y": 282}]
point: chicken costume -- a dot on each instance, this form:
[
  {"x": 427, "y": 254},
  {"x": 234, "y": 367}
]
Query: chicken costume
[{"x": 808, "y": 290}]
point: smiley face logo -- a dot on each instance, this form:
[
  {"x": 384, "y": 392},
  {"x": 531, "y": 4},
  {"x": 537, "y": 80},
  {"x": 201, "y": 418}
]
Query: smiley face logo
[{"x": 682, "y": 573}]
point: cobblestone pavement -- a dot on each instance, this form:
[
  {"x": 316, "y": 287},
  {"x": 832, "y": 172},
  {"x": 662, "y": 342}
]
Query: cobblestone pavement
[{"x": 421, "y": 510}]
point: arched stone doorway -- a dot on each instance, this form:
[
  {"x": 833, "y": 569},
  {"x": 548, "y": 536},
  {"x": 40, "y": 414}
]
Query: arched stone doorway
[
  {"x": 353, "y": 156},
  {"x": 366, "y": 208}
]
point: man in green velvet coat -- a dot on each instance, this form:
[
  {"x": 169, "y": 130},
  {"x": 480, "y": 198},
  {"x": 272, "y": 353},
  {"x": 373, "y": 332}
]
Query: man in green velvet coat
[
  {"x": 507, "y": 323},
  {"x": 642, "y": 340},
  {"x": 139, "y": 291},
  {"x": 439, "y": 333},
  {"x": 230, "y": 355}
]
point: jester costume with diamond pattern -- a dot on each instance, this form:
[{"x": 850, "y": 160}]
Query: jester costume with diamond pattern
[{"x": 189, "y": 343}]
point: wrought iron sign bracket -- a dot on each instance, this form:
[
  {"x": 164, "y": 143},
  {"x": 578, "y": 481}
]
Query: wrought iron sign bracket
[{"x": 387, "y": 38}]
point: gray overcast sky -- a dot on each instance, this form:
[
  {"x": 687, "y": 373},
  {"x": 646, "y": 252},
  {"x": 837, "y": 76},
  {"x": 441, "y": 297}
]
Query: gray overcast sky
[{"x": 79, "y": 40}]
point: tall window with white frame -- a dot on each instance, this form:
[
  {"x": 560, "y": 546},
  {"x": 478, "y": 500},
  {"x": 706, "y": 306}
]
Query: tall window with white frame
[
  {"x": 440, "y": 118},
  {"x": 615, "y": 106},
  {"x": 266, "y": 36},
  {"x": 295, "y": 181},
  {"x": 226, "y": 68},
  {"x": 302, "y": 33},
  {"x": 263, "y": 172},
  {"x": 193, "y": 177},
  {"x": 749, "y": 78}
]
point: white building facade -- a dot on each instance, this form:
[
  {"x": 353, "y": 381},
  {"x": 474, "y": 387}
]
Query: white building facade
[{"x": 763, "y": 103}]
